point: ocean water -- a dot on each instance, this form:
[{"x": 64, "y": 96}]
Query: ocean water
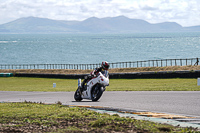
[{"x": 95, "y": 48}]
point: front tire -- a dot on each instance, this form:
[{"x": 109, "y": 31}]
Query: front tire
[
  {"x": 77, "y": 95},
  {"x": 96, "y": 93}
]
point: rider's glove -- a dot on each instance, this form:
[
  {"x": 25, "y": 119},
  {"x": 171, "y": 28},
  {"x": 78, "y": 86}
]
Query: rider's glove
[{"x": 90, "y": 76}]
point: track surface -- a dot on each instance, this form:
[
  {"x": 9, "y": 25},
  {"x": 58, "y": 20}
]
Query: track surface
[{"x": 175, "y": 102}]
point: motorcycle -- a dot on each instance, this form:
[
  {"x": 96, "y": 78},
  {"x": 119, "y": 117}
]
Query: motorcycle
[{"x": 94, "y": 88}]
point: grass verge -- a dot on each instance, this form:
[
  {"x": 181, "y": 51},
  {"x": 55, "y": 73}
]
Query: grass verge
[
  {"x": 114, "y": 70},
  {"x": 45, "y": 84},
  {"x": 35, "y": 117}
]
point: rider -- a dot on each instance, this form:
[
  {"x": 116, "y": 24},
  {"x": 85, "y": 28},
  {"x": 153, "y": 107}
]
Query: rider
[{"x": 104, "y": 66}]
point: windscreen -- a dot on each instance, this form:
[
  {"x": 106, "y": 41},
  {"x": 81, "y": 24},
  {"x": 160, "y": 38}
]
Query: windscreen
[{"x": 105, "y": 73}]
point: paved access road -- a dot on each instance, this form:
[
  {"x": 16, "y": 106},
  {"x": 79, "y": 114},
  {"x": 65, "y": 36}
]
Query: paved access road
[{"x": 176, "y": 102}]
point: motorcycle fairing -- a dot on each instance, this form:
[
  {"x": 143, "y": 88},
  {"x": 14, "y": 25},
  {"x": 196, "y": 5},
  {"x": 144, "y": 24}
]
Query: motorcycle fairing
[
  {"x": 101, "y": 79},
  {"x": 87, "y": 93}
]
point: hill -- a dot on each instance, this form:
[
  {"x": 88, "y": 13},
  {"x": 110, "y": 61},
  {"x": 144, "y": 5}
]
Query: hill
[{"x": 120, "y": 24}]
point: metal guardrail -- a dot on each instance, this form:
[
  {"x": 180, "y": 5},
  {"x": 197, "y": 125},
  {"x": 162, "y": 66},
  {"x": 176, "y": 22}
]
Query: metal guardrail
[{"x": 134, "y": 64}]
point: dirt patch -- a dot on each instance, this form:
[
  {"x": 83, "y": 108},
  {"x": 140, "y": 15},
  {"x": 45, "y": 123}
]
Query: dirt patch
[{"x": 76, "y": 125}]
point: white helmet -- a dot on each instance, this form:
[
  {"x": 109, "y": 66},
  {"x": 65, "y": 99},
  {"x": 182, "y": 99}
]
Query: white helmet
[{"x": 105, "y": 65}]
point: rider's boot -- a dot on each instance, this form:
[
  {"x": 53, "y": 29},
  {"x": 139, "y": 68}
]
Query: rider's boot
[{"x": 83, "y": 83}]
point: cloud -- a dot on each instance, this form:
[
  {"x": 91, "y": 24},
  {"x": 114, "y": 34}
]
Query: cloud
[{"x": 184, "y": 12}]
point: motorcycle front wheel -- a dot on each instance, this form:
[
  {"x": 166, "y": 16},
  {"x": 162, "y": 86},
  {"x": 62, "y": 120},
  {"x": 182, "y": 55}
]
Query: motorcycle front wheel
[
  {"x": 77, "y": 95},
  {"x": 96, "y": 93}
]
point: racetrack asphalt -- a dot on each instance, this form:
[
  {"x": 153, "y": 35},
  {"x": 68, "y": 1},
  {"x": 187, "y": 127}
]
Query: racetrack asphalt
[{"x": 175, "y": 102}]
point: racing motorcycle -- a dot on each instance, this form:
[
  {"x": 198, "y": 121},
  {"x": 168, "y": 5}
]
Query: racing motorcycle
[{"x": 94, "y": 88}]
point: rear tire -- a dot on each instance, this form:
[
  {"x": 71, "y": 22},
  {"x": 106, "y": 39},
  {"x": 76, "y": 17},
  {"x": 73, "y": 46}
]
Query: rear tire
[
  {"x": 96, "y": 93},
  {"x": 77, "y": 95}
]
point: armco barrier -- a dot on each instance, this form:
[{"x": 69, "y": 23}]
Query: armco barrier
[
  {"x": 6, "y": 74},
  {"x": 61, "y": 76},
  {"x": 162, "y": 74},
  {"x": 136, "y": 75}
]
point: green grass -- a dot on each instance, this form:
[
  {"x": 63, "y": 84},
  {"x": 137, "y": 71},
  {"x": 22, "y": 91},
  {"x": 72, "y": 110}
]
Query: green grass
[
  {"x": 46, "y": 84},
  {"x": 34, "y": 117},
  {"x": 154, "y": 85},
  {"x": 37, "y": 84}
]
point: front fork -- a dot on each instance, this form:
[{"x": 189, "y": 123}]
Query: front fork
[
  {"x": 79, "y": 82},
  {"x": 79, "y": 85}
]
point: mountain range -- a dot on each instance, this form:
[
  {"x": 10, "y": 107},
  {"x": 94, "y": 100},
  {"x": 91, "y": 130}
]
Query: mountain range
[{"x": 120, "y": 24}]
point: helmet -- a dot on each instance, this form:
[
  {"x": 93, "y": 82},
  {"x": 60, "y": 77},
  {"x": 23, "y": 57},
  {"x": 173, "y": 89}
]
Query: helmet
[{"x": 105, "y": 65}]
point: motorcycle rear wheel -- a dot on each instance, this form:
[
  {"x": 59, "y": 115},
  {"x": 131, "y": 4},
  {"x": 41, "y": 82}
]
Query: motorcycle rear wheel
[
  {"x": 96, "y": 93},
  {"x": 77, "y": 95}
]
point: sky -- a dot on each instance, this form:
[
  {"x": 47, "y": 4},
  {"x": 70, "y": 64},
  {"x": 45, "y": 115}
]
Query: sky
[{"x": 184, "y": 12}]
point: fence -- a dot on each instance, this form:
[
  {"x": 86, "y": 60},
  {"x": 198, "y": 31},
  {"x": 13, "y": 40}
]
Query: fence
[{"x": 148, "y": 63}]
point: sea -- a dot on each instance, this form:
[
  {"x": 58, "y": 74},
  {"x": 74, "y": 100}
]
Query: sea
[{"x": 95, "y": 48}]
